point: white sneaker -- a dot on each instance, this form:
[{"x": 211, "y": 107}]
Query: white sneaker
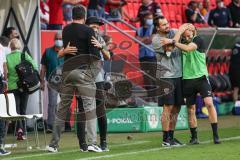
[
  {"x": 52, "y": 149},
  {"x": 94, "y": 148}
]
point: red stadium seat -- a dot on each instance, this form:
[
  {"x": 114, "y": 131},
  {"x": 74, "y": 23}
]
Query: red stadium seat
[
  {"x": 174, "y": 25},
  {"x": 179, "y": 18},
  {"x": 171, "y": 7},
  {"x": 179, "y": 2},
  {"x": 164, "y": 7},
  {"x": 166, "y": 15},
  {"x": 178, "y": 24},
  {"x": 129, "y": 9},
  {"x": 172, "y": 16}
]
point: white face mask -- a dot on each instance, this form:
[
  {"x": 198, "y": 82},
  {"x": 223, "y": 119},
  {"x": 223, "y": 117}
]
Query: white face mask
[
  {"x": 58, "y": 43},
  {"x": 149, "y": 22},
  {"x": 220, "y": 4}
]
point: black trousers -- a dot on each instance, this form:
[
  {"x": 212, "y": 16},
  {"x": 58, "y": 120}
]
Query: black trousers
[
  {"x": 21, "y": 99},
  {"x": 101, "y": 115}
]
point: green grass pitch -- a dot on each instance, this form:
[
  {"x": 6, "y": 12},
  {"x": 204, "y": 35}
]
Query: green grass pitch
[{"x": 146, "y": 146}]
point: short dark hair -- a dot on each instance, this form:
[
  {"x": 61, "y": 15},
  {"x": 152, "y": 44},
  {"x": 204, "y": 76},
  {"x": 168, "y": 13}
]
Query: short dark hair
[
  {"x": 191, "y": 3},
  {"x": 4, "y": 41},
  {"x": 156, "y": 22},
  {"x": 78, "y": 12},
  {"x": 8, "y": 31}
]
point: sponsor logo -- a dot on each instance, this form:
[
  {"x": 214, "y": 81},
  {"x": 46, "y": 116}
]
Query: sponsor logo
[{"x": 120, "y": 121}]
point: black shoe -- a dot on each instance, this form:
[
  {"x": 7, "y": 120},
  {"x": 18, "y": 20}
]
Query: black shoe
[
  {"x": 3, "y": 152},
  {"x": 193, "y": 141},
  {"x": 176, "y": 143},
  {"x": 83, "y": 147},
  {"x": 166, "y": 143},
  {"x": 103, "y": 146},
  {"x": 216, "y": 140}
]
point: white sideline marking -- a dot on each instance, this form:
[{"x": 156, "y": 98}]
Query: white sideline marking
[
  {"x": 149, "y": 150},
  {"x": 77, "y": 150}
]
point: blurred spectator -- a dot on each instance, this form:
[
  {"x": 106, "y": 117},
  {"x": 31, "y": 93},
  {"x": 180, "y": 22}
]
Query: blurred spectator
[
  {"x": 205, "y": 9},
  {"x": 3, "y": 87},
  {"x": 114, "y": 8},
  {"x": 55, "y": 14},
  {"x": 49, "y": 63},
  {"x": 67, "y": 8},
  {"x": 101, "y": 8},
  {"x": 11, "y": 33},
  {"x": 147, "y": 57},
  {"x": 21, "y": 98},
  {"x": 108, "y": 40},
  {"x": 5, "y": 42},
  {"x": 193, "y": 14},
  {"x": 234, "y": 73},
  {"x": 147, "y": 6},
  {"x": 234, "y": 8},
  {"x": 3, "y": 76},
  {"x": 44, "y": 14},
  {"x": 96, "y": 8},
  {"x": 220, "y": 16}
]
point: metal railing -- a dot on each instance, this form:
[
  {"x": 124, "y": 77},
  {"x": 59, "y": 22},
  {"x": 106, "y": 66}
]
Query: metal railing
[
  {"x": 106, "y": 22},
  {"x": 122, "y": 21}
]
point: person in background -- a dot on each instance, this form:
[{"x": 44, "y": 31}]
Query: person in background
[
  {"x": 55, "y": 14},
  {"x": 205, "y": 10},
  {"x": 44, "y": 15},
  {"x": 114, "y": 8},
  {"x": 11, "y": 33},
  {"x": 234, "y": 8},
  {"x": 109, "y": 41},
  {"x": 147, "y": 6},
  {"x": 49, "y": 63},
  {"x": 95, "y": 23},
  {"x": 220, "y": 16},
  {"x": 147, "y": 58},
  {"x": 193, "y": 14},
  {"x": 21, "y": 98},
  {"x": 234, "y": 73},
  {"x": 3, "y": 87},
  {"x": 101, "y": 8},
  {"x": 67, "y": 9},
  {"x": 5, "y": 42},
  {"x": 94, "y": 8}
]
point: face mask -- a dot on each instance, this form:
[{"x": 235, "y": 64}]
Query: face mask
[
  {"x": 149, "y": 22},
  {"x": 220, "y": 4},
  {"x": 58, "y": 43}
]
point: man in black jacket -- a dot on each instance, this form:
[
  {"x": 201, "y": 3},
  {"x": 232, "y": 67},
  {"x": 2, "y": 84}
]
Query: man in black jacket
[{"x": 78, "y": 77}]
